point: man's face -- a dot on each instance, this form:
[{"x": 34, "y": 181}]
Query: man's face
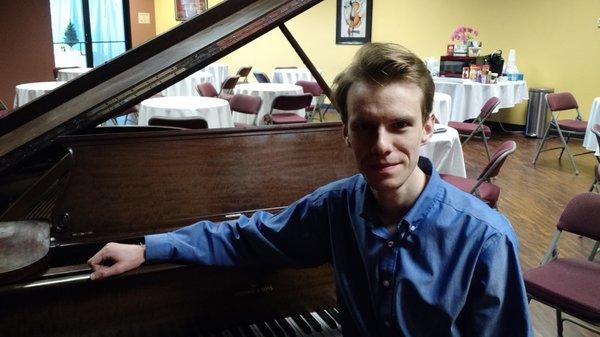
[{"x": 385, "y": 130}]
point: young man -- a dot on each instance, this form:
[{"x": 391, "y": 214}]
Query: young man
[{"x": 412, "y": 255}]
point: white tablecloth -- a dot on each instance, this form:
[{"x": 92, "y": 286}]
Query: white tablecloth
[
  {"x": 219, "y": 71},
  {"x": 468, "y": 97},
  {"x": 445, "y": 152},
  {"x": 214, "y": 110},
  {"x": 442, "y": 106},
  {"x": 267, "y": 92},
  {"x": 187, "y": 86},
  {"x": 589, "y": 142},
  {"x": 291, "y": 76},
  {"x": 71, "y": 73},
  {"x": 27, "y": 92}
]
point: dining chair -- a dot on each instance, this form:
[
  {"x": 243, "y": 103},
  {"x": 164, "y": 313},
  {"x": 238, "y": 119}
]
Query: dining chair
[
  {"x": 482, "y": 187},
  {"x": 261, "y": 77},
  {"x": 468, "y": 130},
  {"x": 243, "y": 72},
  {"x": 245, "y": 104},
  {"x": 596, "y": 132},
  {"x": 206, "y": 90},
  {"x": 4, "y": 110},
  {"x": 558, "y": 102},
  {"x": 288, "y": 103},
  {"x": 570, "y": 285},
  {"x": 313, "y": 88},
  {"x": 179, "y": 122},
  {"x": 227, "y": 87}
]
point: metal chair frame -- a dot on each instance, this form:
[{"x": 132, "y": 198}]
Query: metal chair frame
[
  {"x": 481, "y": 118},
  {"x": 554, "y": 124}
]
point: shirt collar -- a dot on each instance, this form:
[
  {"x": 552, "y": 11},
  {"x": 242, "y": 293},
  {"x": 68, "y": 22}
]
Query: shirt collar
[{"x": 370, "y": 209}]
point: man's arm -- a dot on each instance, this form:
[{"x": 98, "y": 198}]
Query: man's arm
[
  {"x": 298, "y": 236},
  {"x": 498, "y": 304}
]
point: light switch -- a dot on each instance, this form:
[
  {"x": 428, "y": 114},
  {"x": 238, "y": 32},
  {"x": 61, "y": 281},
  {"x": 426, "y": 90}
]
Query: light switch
[{"x": 143, "y": 18}]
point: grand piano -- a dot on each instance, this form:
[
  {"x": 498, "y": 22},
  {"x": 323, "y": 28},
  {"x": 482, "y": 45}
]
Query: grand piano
[{"x": 90, "y": 185}]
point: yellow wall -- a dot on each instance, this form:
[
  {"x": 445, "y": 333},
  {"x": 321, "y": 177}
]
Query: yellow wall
[{"x": 557, "y": 41}]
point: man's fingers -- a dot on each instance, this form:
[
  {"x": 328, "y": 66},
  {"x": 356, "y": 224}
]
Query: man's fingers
[{"x": 97, "y": 258}]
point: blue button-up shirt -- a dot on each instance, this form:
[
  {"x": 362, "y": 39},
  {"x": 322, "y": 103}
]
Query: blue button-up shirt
[{"x": 451, "y": 268}]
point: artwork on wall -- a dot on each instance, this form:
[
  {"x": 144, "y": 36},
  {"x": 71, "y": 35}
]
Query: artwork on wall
[
  {"x": 353, "y": 21},
  {"x": 186, "y": 9}
]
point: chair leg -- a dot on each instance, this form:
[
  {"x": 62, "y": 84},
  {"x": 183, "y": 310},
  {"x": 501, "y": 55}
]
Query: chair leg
[
  {"x": 563, "y": 149},
  {"x": 485, "y": 143},
  {"x": 559, "y": 324},
  {"x": 566, "y": 147},
  {"x": 539, "y": 150},
  {"x": 593, "y": 185}
]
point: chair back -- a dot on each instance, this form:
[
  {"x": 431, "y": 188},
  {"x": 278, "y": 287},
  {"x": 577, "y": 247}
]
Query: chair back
[
  {"x": 291, "y": 102},
  {"x": 3, "y": 105},
  {"x": 207, "y": 90},
  {"x": 244, "y": 71},
  {"x": 582, "y": 216},
  {"x": 230, "y": 83},
  {"x": 497, "y": 160},
  {"x": 179, "y": 122},
  {"x": 287, "y": 67},
  {"x": 261, "y": 77},
  {"x": 561, "y": 101},
  {"x": 245, "y": 104},
  {"x": 488, "y": 107},
  {"x": 310, "y": 87}
]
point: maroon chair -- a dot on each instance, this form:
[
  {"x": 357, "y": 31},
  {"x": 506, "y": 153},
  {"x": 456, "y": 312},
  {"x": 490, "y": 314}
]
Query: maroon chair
[
  {"x": 243, "y": 72},
  {"x": 245, "y": 104},
  {"x": 4, "y": 110},
  {"x": 287, "y": 103},
  {"x": 313, "y": 88},
  {"x": 482, "y": 187},
  {"x": 569, "y": 285},
  {"x": 206, "y": 90},
  {"x": 179, "y": 122},
  {"x": 227, "y": 87},
  {"x": 596, "y": 132},
  {"x": 570, "y": 127},
  {"x": 477, "y": 128}
]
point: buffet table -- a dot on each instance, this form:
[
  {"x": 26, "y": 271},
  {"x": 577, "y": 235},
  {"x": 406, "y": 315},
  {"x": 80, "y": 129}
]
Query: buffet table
[
  {"x": 214, "y": 110},
  {"x": 468, "y": 97}
]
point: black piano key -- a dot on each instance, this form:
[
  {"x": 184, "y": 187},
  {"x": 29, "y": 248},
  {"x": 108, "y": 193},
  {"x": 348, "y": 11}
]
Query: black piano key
[
  {"x": 327, "y": 319},
  {"x": 235, "y": 332},
  {"x": 312, "y": 321},
  {"x": 247, "y": 331},
  {"x": 335, "y": 314},
  {"x": 275, "y": 328},
  {"x": 302, "y": 324},
  {"x": 264, "y": 329},
  {"x": 289, "y": 330}
]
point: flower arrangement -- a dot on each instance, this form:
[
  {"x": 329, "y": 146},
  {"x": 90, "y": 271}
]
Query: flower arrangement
[{"x": 464, "y": 34}]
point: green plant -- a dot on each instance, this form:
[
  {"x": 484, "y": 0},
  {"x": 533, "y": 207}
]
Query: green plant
[{"x": 71, "y": 35}]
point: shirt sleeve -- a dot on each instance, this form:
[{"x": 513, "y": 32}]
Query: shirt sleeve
[
  {"x": 498, "y": 303},
  {"x": 298, "y": 237}
]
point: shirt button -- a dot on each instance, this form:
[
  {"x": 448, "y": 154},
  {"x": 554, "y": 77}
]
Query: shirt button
[
  {"x": 390, "y": 244},
  {"x": 386, "y": 283}
]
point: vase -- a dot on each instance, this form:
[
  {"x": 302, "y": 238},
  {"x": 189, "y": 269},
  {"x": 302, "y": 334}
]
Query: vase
[{"x": 460, "y": 49}]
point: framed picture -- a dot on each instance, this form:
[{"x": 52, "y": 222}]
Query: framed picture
[
  {"x": 186, "y": 9},
  {"x": 353, "y": 21}
]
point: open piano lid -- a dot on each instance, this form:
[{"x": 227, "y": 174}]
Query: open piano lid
[{"x": 140, "y": 73}]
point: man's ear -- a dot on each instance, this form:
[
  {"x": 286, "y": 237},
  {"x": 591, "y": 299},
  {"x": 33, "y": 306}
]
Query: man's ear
[
  {"x": 428, "y": 127},
  {"x": 345, "y": 135}
]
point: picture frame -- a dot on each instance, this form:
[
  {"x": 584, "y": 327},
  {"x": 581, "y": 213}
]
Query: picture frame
[
  {"x": 187, "y": 9},
  {"x": 353, "y": 21}
]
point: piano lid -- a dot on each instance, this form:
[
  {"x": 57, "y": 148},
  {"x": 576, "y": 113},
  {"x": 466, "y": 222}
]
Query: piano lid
[{"x": 140, "y": 73}]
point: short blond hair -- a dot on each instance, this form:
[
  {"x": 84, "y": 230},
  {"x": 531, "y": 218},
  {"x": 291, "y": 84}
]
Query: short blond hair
[{"x": 382, "y": 64}]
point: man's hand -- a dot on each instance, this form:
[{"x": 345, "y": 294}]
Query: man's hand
[{"x": 116, "y": 258}]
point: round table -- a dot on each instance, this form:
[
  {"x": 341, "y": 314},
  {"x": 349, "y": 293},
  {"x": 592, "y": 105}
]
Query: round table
[
  {"x": 214, "y": 110},
  {"x": 292, "y": 75},
  {"x": 219, "y": 71},
  {"x": 468, "y": 97},
  {"x": 27, "y": 92},
  {"x": 71, "y": 73},
  {"x": 590, "y": 142},
  {"x": 442, "y": 107},
  {"x": 187, "y": 86},
  {"x": 267, "y": 92},
  {"x": 445, "y": 152}
]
